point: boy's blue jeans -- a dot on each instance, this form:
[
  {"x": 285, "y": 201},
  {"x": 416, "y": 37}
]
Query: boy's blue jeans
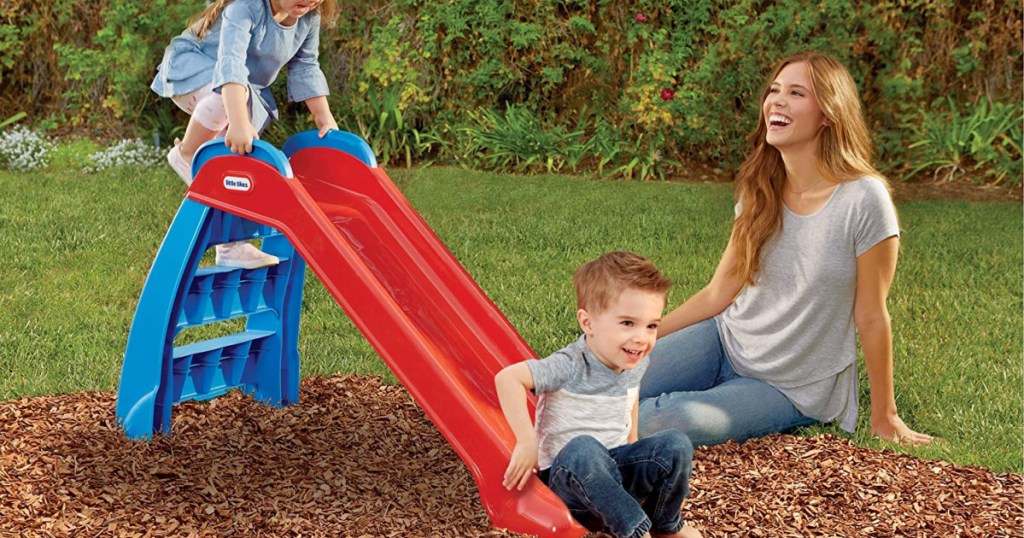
[
  {"x": 690, "y": 386},
  {"x": 628, "y": 490}
]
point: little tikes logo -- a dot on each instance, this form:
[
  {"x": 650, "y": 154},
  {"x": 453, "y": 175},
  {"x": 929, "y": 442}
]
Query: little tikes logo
[{"x": 235, "y": 183}]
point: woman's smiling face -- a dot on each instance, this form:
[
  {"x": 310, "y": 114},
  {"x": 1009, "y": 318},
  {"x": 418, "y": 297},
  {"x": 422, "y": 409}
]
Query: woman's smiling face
[{"x": 791, "y": 109}]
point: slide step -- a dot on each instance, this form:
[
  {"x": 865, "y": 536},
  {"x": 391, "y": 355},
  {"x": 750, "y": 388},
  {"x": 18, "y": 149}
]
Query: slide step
[
  {"x": 219, "y": 343},
  {"x": 212, "y": 367},
  {"x": 221, "y": 293}
]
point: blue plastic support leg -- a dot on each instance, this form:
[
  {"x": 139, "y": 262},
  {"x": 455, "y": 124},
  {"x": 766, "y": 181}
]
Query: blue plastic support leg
[
  {"x": 143, "y": 400},
  {"x": 290, "y": 315}
]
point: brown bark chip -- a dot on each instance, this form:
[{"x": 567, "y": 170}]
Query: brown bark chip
[{"x": 357, "y": 458}]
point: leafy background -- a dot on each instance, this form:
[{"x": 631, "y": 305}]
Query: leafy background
[{"x": 639, "y": 89}]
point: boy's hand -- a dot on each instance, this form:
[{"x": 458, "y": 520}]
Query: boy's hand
[
  {"x": 522, "y": 465},
  {"x": 512, "y": 382},
  {"x": 325, "y": 122},
  {"x": 240, "y": 136}
]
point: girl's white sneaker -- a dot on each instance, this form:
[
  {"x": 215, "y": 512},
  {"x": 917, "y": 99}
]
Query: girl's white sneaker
[
  {"x": 244, "y": 255},
  {"x": 179, "y": 164}
]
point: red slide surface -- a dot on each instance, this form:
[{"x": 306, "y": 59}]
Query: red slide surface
[{"x": 413, "y": 301}]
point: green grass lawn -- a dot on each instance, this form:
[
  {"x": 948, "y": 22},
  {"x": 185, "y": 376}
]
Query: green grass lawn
[{"x": 77, "y": 248}]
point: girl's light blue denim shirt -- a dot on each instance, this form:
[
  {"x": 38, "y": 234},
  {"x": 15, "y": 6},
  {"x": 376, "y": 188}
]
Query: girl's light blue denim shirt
[{"x": 246, "y": 46}]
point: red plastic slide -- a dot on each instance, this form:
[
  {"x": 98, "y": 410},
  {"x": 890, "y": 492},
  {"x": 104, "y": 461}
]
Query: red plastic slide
[{"x": 422, "y": 312}]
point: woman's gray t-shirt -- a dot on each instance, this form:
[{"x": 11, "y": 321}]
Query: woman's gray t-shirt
[{"x": 793, "y": 328}]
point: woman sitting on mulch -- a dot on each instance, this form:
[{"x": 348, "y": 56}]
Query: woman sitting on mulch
[{"x": 769, "y": 344}]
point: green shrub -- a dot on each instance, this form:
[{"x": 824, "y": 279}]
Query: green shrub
[
  {"x": 984, "y": 140},
  {"x": 109, "y": 79},
  {"x": 409, "y": 74},
  {"x": 517, "y": 140},
  {"x": 382, "y": 123}
]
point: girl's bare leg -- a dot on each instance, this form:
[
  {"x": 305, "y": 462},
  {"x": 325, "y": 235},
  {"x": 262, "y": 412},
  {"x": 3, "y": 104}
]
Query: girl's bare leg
[{"x": 195, "y": 135}]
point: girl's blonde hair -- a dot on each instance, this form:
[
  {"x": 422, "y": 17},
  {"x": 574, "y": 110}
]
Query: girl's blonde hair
[
  {"x": 201, "y": 23},
  {"x": 843, "y": 154}
]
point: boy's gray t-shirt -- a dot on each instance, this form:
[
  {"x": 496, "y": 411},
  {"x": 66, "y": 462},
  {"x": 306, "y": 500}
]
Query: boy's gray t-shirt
[
  {"x": 579, "y": 395},
  {"x": 794, "y": 327}
]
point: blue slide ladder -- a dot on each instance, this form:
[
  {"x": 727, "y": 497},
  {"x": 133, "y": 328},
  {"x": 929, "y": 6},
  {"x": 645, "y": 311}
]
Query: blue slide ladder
[{"x": 261, "y": 360}]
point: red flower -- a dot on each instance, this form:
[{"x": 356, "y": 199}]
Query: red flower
[
  {"x": 667, "y": 94},
  {"x": 640, "y": 17}
]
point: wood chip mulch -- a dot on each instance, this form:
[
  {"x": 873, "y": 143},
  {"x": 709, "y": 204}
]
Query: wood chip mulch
[{"x": 358, "y": 458}]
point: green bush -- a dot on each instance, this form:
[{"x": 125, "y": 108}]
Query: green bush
[
  {"x": 650, "y": 84},
  {"x": 985, "y": 139},
  {"x": 109, "y": 79},
  {"x": 517, "y": 140},
  {"x": 85, "y": 64}
]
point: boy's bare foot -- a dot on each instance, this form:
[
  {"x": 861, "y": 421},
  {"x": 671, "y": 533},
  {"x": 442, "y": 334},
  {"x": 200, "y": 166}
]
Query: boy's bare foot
[{"x": 685, "y": 532}]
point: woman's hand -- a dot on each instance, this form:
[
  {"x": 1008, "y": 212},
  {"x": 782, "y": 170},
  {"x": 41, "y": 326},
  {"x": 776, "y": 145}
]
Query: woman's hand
[
  {"x": 521, "y": 466},
  {"x": 892, "y": 428},
  {"x": 240, "y": 136}
]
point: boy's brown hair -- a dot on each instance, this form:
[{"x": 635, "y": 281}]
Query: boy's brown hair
[{"x": 599, "y": 282}]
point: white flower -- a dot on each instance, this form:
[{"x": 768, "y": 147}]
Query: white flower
[
  {"x": 23, "y": 149},
  {"x": 124, "y": 153}
]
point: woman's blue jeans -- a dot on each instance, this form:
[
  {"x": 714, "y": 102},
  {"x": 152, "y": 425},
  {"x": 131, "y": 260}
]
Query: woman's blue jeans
[
  {"x": 690, "y": 386},
  {"x": 628, "y": 490}
]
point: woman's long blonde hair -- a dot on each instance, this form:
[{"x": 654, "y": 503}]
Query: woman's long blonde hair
[
  {"x": 201, "y": 23},
  {"x": 844, "y": 154}
]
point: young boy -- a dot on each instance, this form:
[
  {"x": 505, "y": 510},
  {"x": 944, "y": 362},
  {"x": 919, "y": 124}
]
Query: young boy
[{"x": 586, "y": 435}]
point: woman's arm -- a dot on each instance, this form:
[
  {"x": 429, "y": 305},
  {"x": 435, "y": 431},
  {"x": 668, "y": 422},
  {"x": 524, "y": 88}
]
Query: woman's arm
[
  {"x": 875, "y": 270},
  {"x": 709, "y": 301}
]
